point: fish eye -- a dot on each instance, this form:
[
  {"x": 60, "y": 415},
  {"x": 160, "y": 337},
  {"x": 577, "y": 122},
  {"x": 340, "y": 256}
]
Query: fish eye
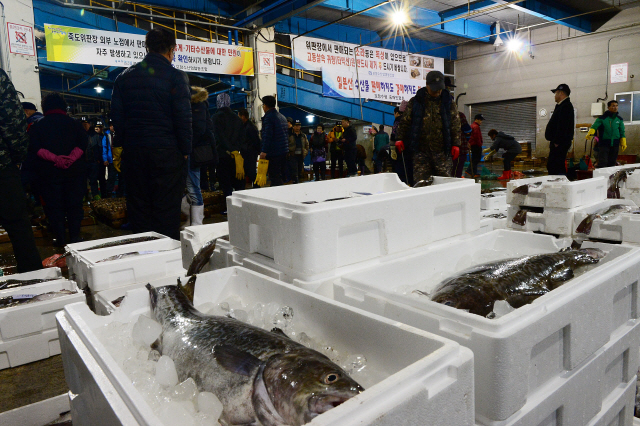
[
  {"x": 331, "y": 378},
  {"x": 448, "y": 303}
]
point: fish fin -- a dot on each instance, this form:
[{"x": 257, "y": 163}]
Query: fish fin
[
  {"x": 189, "y": 288},
  {"x": 279, "y": 332},
  {"x": 585, "y": 225},
  {"x": 202, "y": 257},
  {"x": 559, "y": 277},
  {"x": 520, "y": 218},
  {"x": 522, "y": 189},
  {"x": 235, "y": 360},
  {"x": 518, "y": 301},
  {"x": 265, "y": 411}
]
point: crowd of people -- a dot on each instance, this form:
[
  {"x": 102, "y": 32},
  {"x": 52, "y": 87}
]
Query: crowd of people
[{"x": 162, "y": 141}]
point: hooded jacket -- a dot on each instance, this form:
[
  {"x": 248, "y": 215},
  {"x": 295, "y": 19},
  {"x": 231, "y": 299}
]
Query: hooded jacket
[
  {"x": 610, "y": 127},
  {"x": 506, "y": 142}
]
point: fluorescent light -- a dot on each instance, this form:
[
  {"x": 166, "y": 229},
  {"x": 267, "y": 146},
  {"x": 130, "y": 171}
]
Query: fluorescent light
[
  {"x": 399, "y": 17},
  {"x": 514, "y": 44},
  {"x": 99, "y": 88},
  {"x": 310, "y": 118}
]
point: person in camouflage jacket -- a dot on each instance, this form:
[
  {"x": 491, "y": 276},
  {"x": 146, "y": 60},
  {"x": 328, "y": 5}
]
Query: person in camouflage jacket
[{"x": 14, "y": 143}]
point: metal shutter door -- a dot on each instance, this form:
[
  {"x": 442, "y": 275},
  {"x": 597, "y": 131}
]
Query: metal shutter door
[{"x": 515, "y": 117}]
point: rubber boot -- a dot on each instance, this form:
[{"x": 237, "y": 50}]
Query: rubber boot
[
  {"x": 197, "y": 214},
  {"x": 506, "y": 175},
  {"x": 185, "y": 209}
]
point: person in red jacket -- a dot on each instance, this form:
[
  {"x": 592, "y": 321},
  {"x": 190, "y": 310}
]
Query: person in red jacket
[{"x": 475, "y": 143}]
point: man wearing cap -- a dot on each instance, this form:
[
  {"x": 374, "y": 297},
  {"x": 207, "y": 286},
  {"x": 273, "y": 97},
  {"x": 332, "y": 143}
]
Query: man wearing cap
[
  {"x": 275, "y": 143},
  {"x": 430, "y": 127},
  {"x": 33, "y": 116},
  {"x": 96, "y": 167},
  {"x": 349, "y": 138},
  {"x": 560, "y": 131},
  {"x": 475, "y": 144},
  {"x": 298, "y": 149},
  {"x": 27, "y": 169}
]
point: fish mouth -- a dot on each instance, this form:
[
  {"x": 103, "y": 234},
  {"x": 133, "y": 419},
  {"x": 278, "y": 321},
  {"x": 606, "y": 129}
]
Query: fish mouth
[{"x": 320, "y": 404}]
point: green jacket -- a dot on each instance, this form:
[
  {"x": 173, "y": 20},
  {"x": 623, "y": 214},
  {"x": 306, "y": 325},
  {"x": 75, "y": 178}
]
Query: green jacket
[
  {"x": 14, "y": 140},
  {"x": 379, "y": 142},
  {"x": 609, "y": 127}
]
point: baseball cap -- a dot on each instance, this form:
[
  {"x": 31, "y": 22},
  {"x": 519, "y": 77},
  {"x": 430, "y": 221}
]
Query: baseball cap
[
  {"x": 99, "y": 123},
  {"x": 562, "y": 87},
  {"x": 84, "y": 120},
  {"x": 479, "y": 117},
  {"x": 435, "y": 80},
  {"x": 448, "y": 83},
  {"x": 29, "y": 105},
  {"x": 297, "y": 122}
]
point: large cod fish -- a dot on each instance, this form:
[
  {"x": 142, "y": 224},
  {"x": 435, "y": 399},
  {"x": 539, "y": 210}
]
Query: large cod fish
[
  {"x": 518, "y": 281},
  {"x": 261, "y": 377}
]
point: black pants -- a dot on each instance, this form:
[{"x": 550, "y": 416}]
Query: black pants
[
  {"x": 320, "y": 170},
  {"x": 404, "y": 167},
  {"x": 207, "y": 180},
  {"x": 120, "y": 192},
  {"x": 226, "y": 173},
  {"x": 507, "y": 158},
  {"x": 337, "y": 157},
  {"x": 156, "y": 178},
  {"x": 250, "y": 165},
  {"x": 14, "y": 219},
  {"x": 63, "y": 196},
  {"x": 277, "y": 169},
  {"x": 296, "y": 167},
  {"x": 607, "y": 154},
  {"x": 476, "y": 156},
  {"x": 350, "y": 158},
  {"x": 557, "y": 157}
]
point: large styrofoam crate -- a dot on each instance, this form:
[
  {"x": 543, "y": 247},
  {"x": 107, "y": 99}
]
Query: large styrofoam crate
[
  {"x": 429, "y": 381},
  {"x": 607, "y": 172},
  {"x": 194, "y": 237},
  {"x": 561, "y": 194},
  {"x": 74, "y": 249},
  {"x": 515, "y": 355},
  {"x": 33, "y": 347},
  {"x": 316, "y": 238},
  {"x": 494, "y": 223},
  {"x": 39, "y": 413},
  {"x": 622, "y": 228},
  {"x": 99, "y": 276},
  {"x": 219, "y": 258},
  {"x": 618, "y": 408},
  {"x": 550, "y": 221},
  {"x": 39, "y": 274},
  {"x": 493, "y": 201},
  {"x": 630, "y": 194}
]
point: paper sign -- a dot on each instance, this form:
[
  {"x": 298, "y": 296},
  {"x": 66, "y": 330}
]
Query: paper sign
[{"x": 21, "y": 39}]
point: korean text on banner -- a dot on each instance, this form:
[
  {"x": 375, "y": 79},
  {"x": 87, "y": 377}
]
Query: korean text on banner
[{"x": 95, "y": 47}]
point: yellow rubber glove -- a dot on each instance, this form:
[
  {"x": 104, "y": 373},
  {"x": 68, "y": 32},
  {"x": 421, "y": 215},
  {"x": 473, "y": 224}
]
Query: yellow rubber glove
[
  {"x": 261, "y": 177},
  {"x": 623, "y": 144},
  {"x": 394, "y": 154},
  {"x": 117, "y": 158},
  {"x": 484, "y": 151},
  {"x": 489, "y": 155},
  {"x": 239, "y": 164},
  {"x": 591, "y": 133}
]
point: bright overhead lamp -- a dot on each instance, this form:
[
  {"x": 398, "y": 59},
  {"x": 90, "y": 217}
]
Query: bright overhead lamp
[
  {"x": 99, "y": 88},
  {"x": 310, "y": 118},
  {"x": 399, "y": 17},
  {"x": 514, "y": 44}
]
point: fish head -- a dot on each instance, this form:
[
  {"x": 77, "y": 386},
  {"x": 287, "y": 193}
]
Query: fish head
[
  {"x": 304, "y": 384},
  {"x": 476, "y": 297},
  {"x": 166, "y": 301}
]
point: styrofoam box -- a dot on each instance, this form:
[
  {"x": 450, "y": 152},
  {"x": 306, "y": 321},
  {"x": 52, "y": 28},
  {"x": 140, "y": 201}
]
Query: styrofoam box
[
  {"x": 194, "y": 237},
  {"x": 74, "y": 249},
  {"x": 99, "y": 276},
  {"x": 33, "y": 347},
  {"x": 624, "y": 227},
  {"x": 606, "y": 172},
  {"x": 493, "y": 201},
  {"x": 493, "y": 222},
  {"x": 424, "y": 379},
  {"x": 558, "y": 195},
  {"x": 39, "y": 413},
  {"x": 321, "y": 237},
  {"x": 550, "y": 221},
  {"x": 515, "y": 355},
  {"x": 630, "y": 194},
  {"x": 219, "y": 258},
  {"x": 618, "y": 411},
  {"x": 39, "y": 274}
]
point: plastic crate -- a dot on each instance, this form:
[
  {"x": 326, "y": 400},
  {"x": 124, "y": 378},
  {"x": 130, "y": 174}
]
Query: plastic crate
[
  {"x": 429, "y": 381},
  {"x": 558, "y": 195},
  {"x": 312, "y": 239},
  {"x": 493, "y": 201},
  {"x": 194, "y": 237},
  {"x": 623, "y": 228},
  {"x": 515, "y": 355},
  {"x": 100, "y": 276}
]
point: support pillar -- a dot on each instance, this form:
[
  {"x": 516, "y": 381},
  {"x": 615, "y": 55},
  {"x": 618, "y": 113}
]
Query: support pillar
[{"x": 262, "y": 84}]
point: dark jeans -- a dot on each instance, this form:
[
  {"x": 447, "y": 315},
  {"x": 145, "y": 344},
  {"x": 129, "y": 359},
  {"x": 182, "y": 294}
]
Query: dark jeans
[
  {"x": 106, "y": 185},
  {"x": 226, "y": 172},
  {"x": 557, "y": 157},
  {"x": 607, "y": 154},
  {"x": 156, "y": 178},
  {"x": 320, "y": 170},
  {"x": 350, "y": 159},
  {"x": 296, "y": 167},
  {"x": 250, "y": 165},
  {"x": 120, "y": 192},
  {"x": 94, "y": 177},
  {"x": 14, "y": 219},
  {"x": 337, "y": 157},
  {"x": 277, "y": 167},
  {"x": 476, "y": 156},
  {"x": 63, "y": 196},
  {"x": 458, "y": 165},
  {"x": 207, "y": 177},
  {"x": 507, "y": 158},
  {"x": 403, "y": 164}
]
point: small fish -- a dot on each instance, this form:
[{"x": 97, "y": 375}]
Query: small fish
[
  {"x": 524, "y": 189},
  {"x": 11, "y": 283},
  {"x": 423, "y": 183},
  {"x": 24, "y": 299},
  {"x": 261, "y": 377},
  {"x": 605, "y": 214},
  {"x": 519, "y": 281},
  {"x": 130, "y": 254},
  {"x": 613, "y": 191},
  {"x": 202, "y": 257},
  {"x": 496, "y": 216}
]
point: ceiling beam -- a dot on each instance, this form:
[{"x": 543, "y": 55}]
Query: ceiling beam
[
  {"x": 552, "y": 11},
  {"x": 464, "y": 9}
]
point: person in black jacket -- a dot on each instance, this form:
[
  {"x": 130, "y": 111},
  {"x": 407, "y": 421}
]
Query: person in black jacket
[
  {"x": 251, "y": 149},
  {"x": 509, "y": 144},
  {"x": 59, "y": 143},
  {"x": 151, "y": 111},
  {"x": 560, "y": 131},
  {"x": 349, "y": 138},
  {"x": 229, "y": 134},
  {"x": 275, "y": 140}
]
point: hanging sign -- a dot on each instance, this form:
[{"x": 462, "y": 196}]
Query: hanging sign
[
  {"x": 620, "y": 73},
  {"x": 21, "y": 39},
  {"x": 266, "y": 63},
  {"x": 96, "y": 47}
]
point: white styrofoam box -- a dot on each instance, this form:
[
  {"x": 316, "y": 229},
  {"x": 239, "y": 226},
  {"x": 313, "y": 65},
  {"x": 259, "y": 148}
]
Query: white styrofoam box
[
  {"x": 515, "y": 355},
  {"x": 493, "y": 201},
  {"x": 428, "y": 381},
  {"x": 102, "y": 301},
  {"x": 75, "y": 249},
  {"x": 316, "y": 238},
  {"x": 29, "y": 318},
  {"x": 38, "y": 413},
  {"x": 624, "y": 227},
  {"x": 192, "y": 238},
  {"x": 39, "y": 274},
  {"x": 630, "y": 194},
  {"x": 607, "y": 172},
  {"x": 558, "y": 195},
  {"x": 494, "y": 223},
  {"x": 219, "y": 258},
  {"x": 618, "y": 408},
  {"x": 99, "y": 276},
  {"x": 33, "y": 347},
  {"x": 550, "y": 221}
]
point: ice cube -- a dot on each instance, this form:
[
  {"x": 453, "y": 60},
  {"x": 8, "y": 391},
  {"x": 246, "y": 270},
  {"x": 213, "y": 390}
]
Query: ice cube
[
  {"x": 185, "y": 391},
  {"x": 305, "y": 340},
  {"x": 502, "y": 308},
  {"x": 206, "y": 420},
  {"x": 209, "y": 404},
  {"x": 166, "y": 373},
  {"x": 146, "y": 331},
  {"x": 239, "y": 314},
  {"x": 355, "y": 363},
  {"x": 174, "y": 413}
]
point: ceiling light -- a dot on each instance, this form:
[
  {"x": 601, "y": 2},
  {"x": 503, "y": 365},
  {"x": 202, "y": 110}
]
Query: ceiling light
[
  {"x": 514, "y": 44},
  {"x": 310, "y": 118},
  {"x": 498, "y": 41},
  {"x": 399, "y": 17},
  {"x": 99, "y": 88}
]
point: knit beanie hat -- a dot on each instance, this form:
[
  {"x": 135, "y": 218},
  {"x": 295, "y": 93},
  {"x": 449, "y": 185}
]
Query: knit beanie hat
[{"x": 223, "y": 100}]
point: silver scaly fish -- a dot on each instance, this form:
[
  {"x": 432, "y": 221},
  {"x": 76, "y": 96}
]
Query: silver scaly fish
[{"x": 605, "y": 214}]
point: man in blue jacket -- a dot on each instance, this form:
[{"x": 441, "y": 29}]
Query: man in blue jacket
[
  {"x": 107, "y": 163},
  {"x": 275, "y": 141},
  {"x": 151, "y": 111}
]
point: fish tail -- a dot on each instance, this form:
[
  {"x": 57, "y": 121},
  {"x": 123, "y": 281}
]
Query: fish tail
[
  {"x": 520, "y": 218},
  {"x": 585, "y": 225},
  {"x": 153, "y": 293},
  {"x": 189, "y": 288},
  {"x": 522, "y": 189}
]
